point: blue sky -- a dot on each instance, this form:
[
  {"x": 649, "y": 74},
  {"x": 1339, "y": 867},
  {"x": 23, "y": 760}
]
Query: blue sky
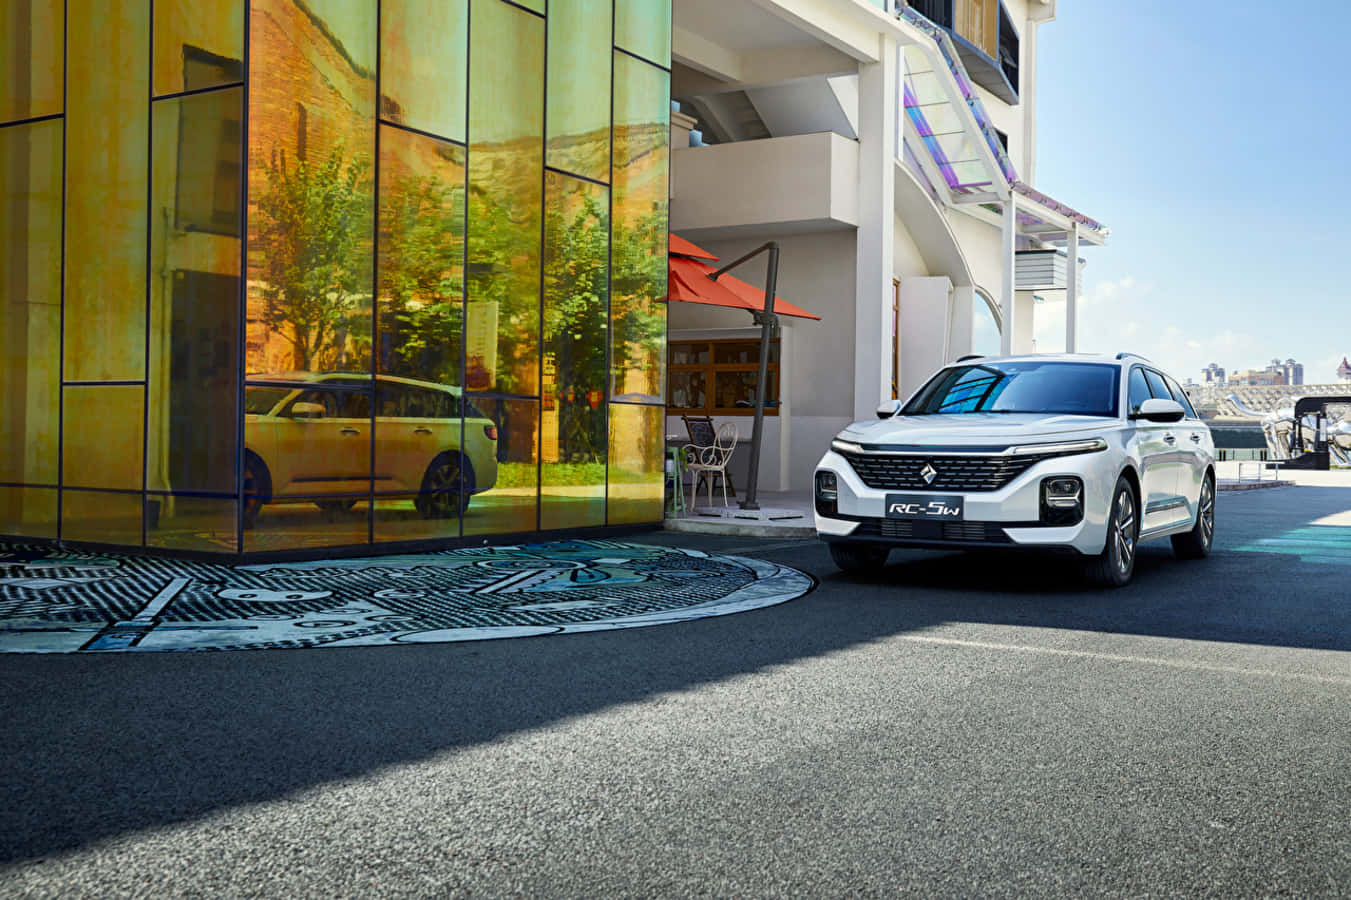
[{"x": 1210, "y": 137}]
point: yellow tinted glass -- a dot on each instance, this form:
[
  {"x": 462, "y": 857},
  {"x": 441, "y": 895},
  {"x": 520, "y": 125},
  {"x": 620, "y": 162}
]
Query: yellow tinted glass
[
  {"x": 194, "y": 309},
  {"x": 205, "y": 524},
  {"x": 501, "y": 475},
  {"x": 639, "y": 250},
  {"x": 28, "y": 512},
  {"x": 198, "y": 44},
  {"x": 573, "y": 428},
  {"x": 424, "y": 56},
  {"x": 31, "y": 58},
  {"x": 102, "y": 437},
  {"x": 30, "y": 301},
  {"x": 579, "y": 87},
  {"x": 506, "y": 123},
  {"x": 311, "y": 190},
  {"x": 637, "y": 445},
  {"x": 107, "y": 165},
  {"x": 100, "y": 517}
]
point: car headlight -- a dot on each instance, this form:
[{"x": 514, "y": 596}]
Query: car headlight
[
  {"x": 840, "y": 446},
  {"x": 1060, "y": 448}
]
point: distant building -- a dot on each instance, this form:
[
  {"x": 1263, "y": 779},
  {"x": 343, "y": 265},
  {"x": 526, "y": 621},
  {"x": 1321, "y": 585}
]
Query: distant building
[
  {"x": 1292, "y": 371},
  {"x": 1212, "y": 374},
  {"x": 1344, "y": 371},
  {"x": 1259, "y": 377}
]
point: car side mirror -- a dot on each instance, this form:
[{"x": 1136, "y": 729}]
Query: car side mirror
[
  {"x": 1159, "y": 410},
  {"x": 888, "y": 408},
  {"x": 308, "y": 411}
]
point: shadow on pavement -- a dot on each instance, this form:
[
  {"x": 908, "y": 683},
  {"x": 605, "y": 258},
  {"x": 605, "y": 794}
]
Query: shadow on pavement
[{"x": 94, "y": 747}]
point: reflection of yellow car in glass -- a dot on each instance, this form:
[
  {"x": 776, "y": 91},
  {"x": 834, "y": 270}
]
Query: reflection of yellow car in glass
[{"x": 312, "y": 438}]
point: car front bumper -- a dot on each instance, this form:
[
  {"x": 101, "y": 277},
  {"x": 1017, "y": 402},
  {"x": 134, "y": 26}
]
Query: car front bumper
[{"x": 1008, "y": 519}]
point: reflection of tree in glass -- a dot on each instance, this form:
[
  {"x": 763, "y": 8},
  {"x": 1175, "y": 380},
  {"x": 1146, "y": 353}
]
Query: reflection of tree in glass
[
  {"x": 503, "y": 269},
  {"x": 576, "y": 285},
  {"x": 314, "y": 245},
  {"x": 639, "y": 280},
  {"x": 421, "y": 246}
]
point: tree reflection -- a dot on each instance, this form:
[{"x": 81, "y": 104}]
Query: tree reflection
[{"x": 313, "y": 245}]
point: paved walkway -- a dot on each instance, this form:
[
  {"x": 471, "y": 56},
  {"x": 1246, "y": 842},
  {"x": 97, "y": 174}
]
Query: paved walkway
[{"x": 54, "y": 601}]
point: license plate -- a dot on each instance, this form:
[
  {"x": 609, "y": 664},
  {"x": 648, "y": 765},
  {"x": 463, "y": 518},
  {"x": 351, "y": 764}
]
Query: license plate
[{"x": 924, "y": 506}]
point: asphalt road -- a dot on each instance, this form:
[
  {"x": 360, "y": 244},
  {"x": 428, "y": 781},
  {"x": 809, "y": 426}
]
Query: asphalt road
[{"x": 957, "y": 725}]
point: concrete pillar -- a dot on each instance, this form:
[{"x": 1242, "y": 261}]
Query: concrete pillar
[
  {"x": 1008, "y": 246},
  {"x": 1072, "y": 290},
  {"x": 961, "y": 321},
  {"x": 877, "y": 83},
  {"x": 1024, "y": 322},
  {"x": 924, "y": 328}
]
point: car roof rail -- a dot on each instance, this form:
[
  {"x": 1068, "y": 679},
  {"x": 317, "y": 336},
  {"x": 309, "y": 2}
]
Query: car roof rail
[
  {"x": 1125, "y": 353},
  {"x": 970, "y": 356}
]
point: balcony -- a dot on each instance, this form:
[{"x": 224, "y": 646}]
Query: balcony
[{"x": 986, "y": 41}]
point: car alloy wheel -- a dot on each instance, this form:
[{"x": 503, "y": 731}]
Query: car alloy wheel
[
  {"x": 1123, "y": 532},
  {"x": 443, "y": 495},
  {"x": 1115, "y": 565},
  {"x": 1196, "y": 544}
]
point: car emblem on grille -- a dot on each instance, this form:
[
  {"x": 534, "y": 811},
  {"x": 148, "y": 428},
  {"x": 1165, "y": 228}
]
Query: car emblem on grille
[{"x": 928, "y": 473}]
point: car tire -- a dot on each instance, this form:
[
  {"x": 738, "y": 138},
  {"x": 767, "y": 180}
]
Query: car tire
[
  {"x": 443, "y": 496},
  {"x": 335, "y": 507},
  {"x": 1196, "y": 544},
  {"x": 257, "y": 488},
  {"x": 1115, "y": 565},
  {"x": 859, "y": 557}
]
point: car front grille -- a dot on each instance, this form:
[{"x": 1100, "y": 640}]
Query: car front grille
[
  {"x": 917, "y": 529},
  {"x": 897, "y": 472}
]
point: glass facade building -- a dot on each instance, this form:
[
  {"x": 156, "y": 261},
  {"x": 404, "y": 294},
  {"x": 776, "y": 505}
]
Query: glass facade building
[{"x": 285, "y": 274}]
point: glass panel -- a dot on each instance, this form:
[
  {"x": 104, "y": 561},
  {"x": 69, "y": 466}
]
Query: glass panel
[
  {"x": 198, "y": 44},
  {"x": 742, "y": 352},
  {"x": 311, "y": 222},
  {"x": 506, "y": 123},
  {"x": 28, "y": 512},
  {"x": 100, "y": 517},
  {"x": 576, "y": 289},
  {"x": 421, "y": 318},
  {"x": 31, "y": 58},
  {"x": 644, "y": 27},
  {"x": 503, "y": 485},
  {"x": 190, "y": 523},
  {"x": 637, "y": 448},
  {"x": 579, "y": 87},
  {"x": 107, "y": 167},
  {"x": 30, "y": 301},
  {"x": 422, "y": 450},
  {"x": 689, "y": 354},
  {"x": 194, "y": 306},
  {"x": 424, "y": 51},
  {"x": 103, "y": 437},
  {"x": 687, "y": 390},
  {"x": 299, "y": 523},
  {"x": 642, "y": 110}
]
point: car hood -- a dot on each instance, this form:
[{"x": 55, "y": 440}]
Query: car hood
[{"x": 975, "y": 428}]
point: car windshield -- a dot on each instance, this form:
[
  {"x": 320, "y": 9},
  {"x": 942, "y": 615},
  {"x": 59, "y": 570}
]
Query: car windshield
[
  {"x": 259, "y": 401},
  {"x": 1032, "y": 386}
]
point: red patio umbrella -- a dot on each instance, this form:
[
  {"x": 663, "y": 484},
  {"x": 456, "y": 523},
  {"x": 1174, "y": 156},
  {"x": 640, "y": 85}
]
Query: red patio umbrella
[{"x": 689, "y": 283}]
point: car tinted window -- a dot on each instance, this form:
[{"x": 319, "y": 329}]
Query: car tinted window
[
  {"x": 1180, "y": 396},
  {"x": 1139, "y": 391},
  {"x": 260, "y": 400},
  {"x": 1032, "y": 386},
  {"x": 339, "y": 404},
  {"x": 1156, "y": 385}
]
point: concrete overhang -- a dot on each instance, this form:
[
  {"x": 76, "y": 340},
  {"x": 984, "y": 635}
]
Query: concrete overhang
[
  {"x": 775, "y": 186},
  {"x": 929, "y": 229}
]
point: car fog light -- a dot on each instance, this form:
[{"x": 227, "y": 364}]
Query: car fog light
[
  {"x": 1062, "y": 501},
  {"x": 827, "y": 493}
]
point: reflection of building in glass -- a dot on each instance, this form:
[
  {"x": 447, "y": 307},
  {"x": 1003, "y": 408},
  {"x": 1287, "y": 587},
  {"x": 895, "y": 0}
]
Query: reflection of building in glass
[{"x": 430, "y": 313}]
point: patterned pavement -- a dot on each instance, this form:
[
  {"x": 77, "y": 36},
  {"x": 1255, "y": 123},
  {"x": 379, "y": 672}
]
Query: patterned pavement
[{"x": 56, "y": 601}]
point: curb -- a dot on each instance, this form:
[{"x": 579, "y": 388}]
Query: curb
[
  {"x": 1251, "y": 485},
  {"x": 713, "y": 525}
]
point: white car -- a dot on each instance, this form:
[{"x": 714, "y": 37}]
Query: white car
[{"x": 1077, "y": 453}]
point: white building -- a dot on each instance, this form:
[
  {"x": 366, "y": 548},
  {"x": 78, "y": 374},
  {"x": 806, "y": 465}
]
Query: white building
[{"x": 871, "y": 144}]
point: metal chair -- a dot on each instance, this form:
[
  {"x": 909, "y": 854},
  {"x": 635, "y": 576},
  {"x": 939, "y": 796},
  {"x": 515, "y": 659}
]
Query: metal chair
[
  {"x": 702, "y": 434},
  {"x": 710, "y": 461}
]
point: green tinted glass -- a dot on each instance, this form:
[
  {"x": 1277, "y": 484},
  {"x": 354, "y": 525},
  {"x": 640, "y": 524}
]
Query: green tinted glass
[
  {"x": 644, "y": 27},
  {"x": 424, "y": 54},
  {"x": 579, "y": 87},
  {"x": 637, "y": 445}
]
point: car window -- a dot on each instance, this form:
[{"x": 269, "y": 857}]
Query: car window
[
  {"x": 338, "y": 404},
  {"x": 1156, "y": 385},
  {"x": 1180, "y": 396},
  {"x": 1139, "y": 391},
  {"x": 1031, "y": 386},
  {"x": 261, "y": 400}
]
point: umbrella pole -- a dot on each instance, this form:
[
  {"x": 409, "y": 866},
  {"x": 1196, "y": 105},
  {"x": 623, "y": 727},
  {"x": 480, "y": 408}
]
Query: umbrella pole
[{"x": 767, "y": 318}]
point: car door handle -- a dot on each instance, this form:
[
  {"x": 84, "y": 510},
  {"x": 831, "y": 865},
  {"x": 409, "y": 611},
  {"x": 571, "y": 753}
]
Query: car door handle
[
  {"x": 1196, "y": 439},
  {"x": 349, "y": 431},
  {"x": 422, "y": 431},
  {"x": 1169, "y": 439}
]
